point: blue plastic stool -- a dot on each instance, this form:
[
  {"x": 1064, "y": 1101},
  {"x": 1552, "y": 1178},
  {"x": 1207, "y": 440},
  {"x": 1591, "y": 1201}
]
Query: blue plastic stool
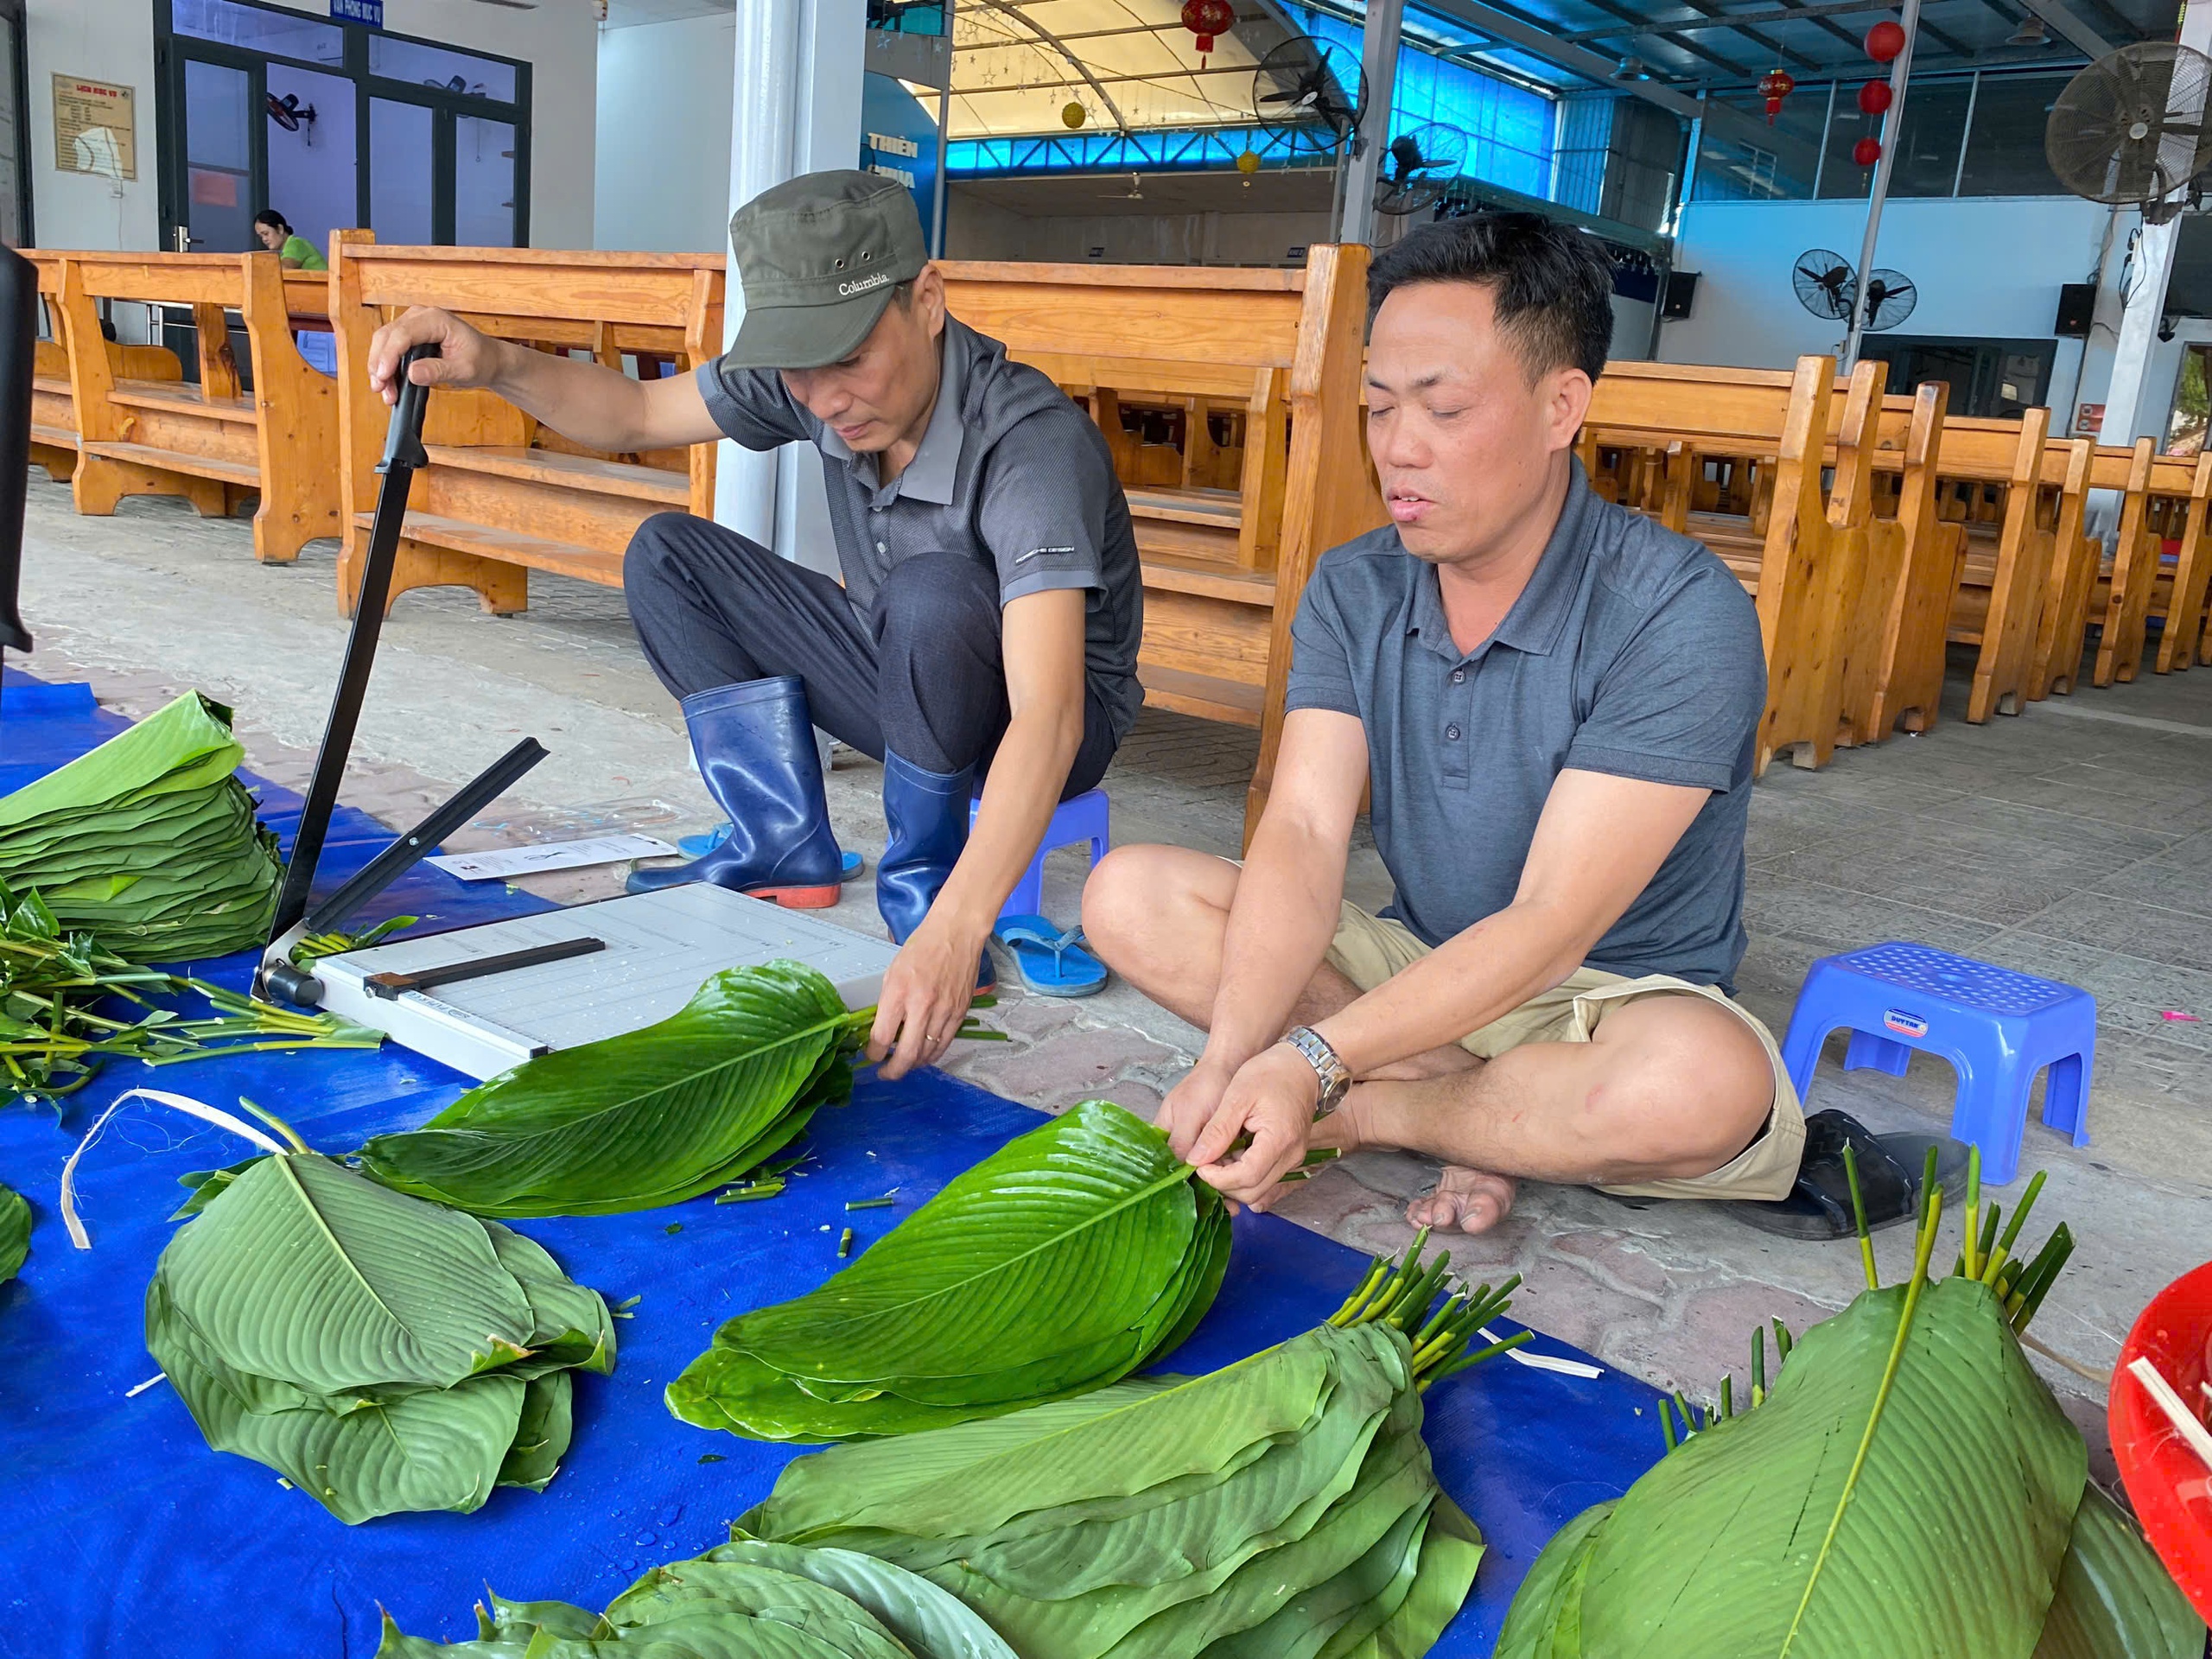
[
  {"x": 1998, "y": 1027},
  {"x": 1084, "y": 818}
]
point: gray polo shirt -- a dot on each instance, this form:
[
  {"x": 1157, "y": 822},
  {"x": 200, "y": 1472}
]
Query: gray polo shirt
[
  {"x": 1632, "y": 651},
  {"x": 1008, "y": 471}
]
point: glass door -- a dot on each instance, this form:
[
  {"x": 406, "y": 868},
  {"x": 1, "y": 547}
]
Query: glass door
[
  {"x": 219, "y": 170},
  {"x": 483, "y": 182},
  {"x": 400, "y": 140},
  {"x": 310, "y": 138}
]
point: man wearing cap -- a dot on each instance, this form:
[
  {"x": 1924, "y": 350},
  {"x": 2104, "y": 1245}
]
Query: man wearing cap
[{"x": 987, "y": 623}]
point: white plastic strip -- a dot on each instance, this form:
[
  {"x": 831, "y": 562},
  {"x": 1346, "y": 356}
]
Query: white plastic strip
[
  {"x": 2178, "y": 1412},
  {"x": 205, "y": 1113},
  {"x": 1557, "y": 1362}
]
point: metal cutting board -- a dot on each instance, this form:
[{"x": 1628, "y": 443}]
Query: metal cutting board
[{"x": 660, "y": 948}]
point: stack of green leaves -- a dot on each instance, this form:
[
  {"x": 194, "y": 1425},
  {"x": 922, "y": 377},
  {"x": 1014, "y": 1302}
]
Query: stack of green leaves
[
  {"x": 149, "y": 843},
  {"x": 647, "y": 1118},
  {"x": 758, "y": 1600},
  {"x": 1062, "y": 1262},
  {"x": 1282, "y": 1506},
  {"x": 379, "y": 1352},
  {"x": 1907, "y": 1485}
]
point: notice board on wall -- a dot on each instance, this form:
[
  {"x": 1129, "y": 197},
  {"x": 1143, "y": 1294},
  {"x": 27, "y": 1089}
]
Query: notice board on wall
[{"x": 95, "y": 128}]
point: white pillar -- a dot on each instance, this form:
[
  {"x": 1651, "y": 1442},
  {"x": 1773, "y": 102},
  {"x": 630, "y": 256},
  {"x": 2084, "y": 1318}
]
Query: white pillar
[
  {"x": 2129, "y": 414},
  {"x": 798, "y": 110},
  {"x": 1379, "y": 63}
]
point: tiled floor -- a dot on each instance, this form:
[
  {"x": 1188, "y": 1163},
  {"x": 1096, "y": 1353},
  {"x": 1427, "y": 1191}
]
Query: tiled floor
[{"x": 2074, "y": 842}]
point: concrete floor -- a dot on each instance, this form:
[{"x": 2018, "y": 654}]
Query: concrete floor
[{"x": 2074, "y": 843}]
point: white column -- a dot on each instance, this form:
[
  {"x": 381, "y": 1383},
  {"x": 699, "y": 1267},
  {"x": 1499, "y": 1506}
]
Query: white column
[
  {"x": 797, "y": 109},
  {"x": 2129, "y": 412},
  {"x": 1379, "y": 63}
]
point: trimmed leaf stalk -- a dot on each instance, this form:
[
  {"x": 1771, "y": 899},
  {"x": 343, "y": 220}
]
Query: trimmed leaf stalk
[{"x": 1400, "y": 1294}]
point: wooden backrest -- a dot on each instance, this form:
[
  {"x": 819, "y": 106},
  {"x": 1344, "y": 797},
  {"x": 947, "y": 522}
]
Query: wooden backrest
[
  {"x": 607, "y": 303},
  {"x": 1697, "y": 405}
]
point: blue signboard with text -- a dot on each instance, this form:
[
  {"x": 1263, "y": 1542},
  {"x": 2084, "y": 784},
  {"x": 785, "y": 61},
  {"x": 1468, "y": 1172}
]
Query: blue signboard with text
[
  {"x": 898, "y": 140},
  {"x": 358, "y": 11}
]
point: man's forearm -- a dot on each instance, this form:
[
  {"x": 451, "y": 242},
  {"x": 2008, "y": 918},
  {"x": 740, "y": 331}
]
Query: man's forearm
[
  {"x": 1026, "y": 776},
  {"x": 1477, "y": 976},
  {"x": 1288, "y": 902},
  {"x": 586, "y": 402}
]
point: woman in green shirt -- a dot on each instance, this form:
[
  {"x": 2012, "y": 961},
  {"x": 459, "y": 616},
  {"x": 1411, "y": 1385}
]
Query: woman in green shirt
[{"x": 294, "y": 251}]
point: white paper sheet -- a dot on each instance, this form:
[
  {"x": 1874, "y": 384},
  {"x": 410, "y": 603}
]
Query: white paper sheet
[{"x": 502, "y": 863}]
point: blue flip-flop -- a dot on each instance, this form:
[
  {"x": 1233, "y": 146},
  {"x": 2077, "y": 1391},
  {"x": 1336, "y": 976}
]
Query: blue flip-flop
[
  {"x": 700, "y": 845},
  {"x": 1048, "y": 960}
]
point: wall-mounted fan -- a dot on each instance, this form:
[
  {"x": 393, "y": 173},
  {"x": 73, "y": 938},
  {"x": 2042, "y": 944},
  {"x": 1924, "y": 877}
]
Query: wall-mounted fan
[
  {"x": 2132, "y": 130},
  {"x": 290, "y": 114},
  {"x": 1417, "y": 166},
  {"x": 1823, "y": 282},
  {"x": 1313, "y": 91},
  {"x": 1889, "y": 299}
]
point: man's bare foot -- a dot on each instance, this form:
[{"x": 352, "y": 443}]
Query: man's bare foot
[{"x": 1473, "y": 1200}]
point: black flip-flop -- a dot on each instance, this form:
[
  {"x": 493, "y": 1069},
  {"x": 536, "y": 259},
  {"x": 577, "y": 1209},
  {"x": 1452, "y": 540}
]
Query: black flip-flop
[{"x": 1891, "y": 1167}]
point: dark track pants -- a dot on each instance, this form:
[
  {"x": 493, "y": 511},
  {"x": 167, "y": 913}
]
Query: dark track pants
[{"x": 920, "y": 672}]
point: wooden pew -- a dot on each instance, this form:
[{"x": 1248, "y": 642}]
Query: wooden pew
[
  {"x": 2169, "y": 505},
  {"x": 148, "y": 434},
  {"x": 1804, "y": 567},
  {"x": 502, "y": 497},
  {"x": 1222, "y": 572},
  {"x": 53, "y": 407},
  {"x": 2187, "y": 637},
  {"x": 1893, "y": 648}
]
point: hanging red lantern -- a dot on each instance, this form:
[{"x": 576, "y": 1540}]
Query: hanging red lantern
[
  {"x": 1207, "y": 18},
  {"x": 1866, "y": 151},
  {"x": 1884, "y": 40},
  {"x": 1875, "y": 97},
  {"x": 1775, "y": 86}
]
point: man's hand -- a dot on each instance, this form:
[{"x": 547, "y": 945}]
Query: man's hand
[
  {"x": 1272, "y": 1098},
  {"x": 465, "y": 358},
  {"x": 926, "y": 994},
  {"x": 1190, "y": 1104}
]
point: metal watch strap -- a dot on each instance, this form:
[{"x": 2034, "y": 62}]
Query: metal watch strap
[{"x": 1336, "y": 1077}]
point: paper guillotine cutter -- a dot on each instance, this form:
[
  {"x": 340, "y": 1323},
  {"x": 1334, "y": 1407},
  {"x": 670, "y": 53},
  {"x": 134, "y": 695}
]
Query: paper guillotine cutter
[{"x": 483, "y": 999}]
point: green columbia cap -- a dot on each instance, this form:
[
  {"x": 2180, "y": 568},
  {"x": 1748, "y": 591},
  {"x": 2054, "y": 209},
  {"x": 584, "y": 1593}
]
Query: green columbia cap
[{"x": 818, "y": 256}]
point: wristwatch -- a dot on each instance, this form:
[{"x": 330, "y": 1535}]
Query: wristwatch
[{"x": 1334, "y": 1076}]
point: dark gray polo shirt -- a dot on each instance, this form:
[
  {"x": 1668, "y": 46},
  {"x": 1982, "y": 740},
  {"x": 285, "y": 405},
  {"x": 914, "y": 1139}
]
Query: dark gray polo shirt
[
  {"x": 1632, "y": 650},
  {"x": 1008, "y": 471}
]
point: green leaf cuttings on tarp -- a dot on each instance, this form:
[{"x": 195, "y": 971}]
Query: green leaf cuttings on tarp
[
  {"x": 1063, "y": 1262},
  {"x": 647, "y": 1118},
  {"x": 1906, "y": 1483},
  {"x": 381, "y": 1353},
  {"x": 149, "y": 843}
]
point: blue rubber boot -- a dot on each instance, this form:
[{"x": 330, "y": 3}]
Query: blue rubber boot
[
  {"x": 926, "y": 813},
  {"x": 756, "y": 753}
]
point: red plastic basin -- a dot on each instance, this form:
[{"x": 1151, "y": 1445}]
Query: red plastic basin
[{"x": 2167, "y": 1482}]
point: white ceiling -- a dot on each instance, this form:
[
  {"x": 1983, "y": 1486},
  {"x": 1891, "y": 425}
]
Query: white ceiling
[{"x": 627, "y": 14}]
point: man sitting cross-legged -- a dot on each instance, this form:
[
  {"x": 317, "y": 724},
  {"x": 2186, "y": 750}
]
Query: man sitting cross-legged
[{"x": 1553, "y": 700}]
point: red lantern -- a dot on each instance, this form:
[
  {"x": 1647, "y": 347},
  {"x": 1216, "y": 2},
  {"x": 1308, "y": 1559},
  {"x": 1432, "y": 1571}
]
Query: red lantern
[
  {"x": 1775, "y": 86},
  {"x": 1875, "y": 97},
  {"x": 1884, "y": 40},
  {"x": 1866, "y": 151},
  {"x": 1207, "y": 18}
]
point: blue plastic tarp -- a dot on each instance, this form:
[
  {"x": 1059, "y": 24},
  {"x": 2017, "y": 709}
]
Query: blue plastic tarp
[{"x": 122, "y": 1533}]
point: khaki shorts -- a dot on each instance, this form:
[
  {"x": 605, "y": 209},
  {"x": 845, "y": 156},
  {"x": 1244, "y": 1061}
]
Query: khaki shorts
[{"x": 1368, "y": 950}]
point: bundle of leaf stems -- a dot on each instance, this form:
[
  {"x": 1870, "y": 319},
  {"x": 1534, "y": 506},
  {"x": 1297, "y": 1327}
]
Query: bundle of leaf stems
[
  {"x": 1985, "y": 1254},
  {"x": 1399, "y": 1294},
  {"x": 53, "y": 1040}
]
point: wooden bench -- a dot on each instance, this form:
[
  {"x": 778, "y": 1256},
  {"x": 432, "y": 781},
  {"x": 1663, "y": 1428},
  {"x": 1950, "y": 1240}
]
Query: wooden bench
[
  {"x": 139, "y": 433},
  {"x": 1893, "y": 642},
  {"x": 1805, "y": 562},
  {"x": 2168, "y": 506},
  {"x": 2186, "y": 638},
  {"x": 1223, "y": 570},
  {"x": 53, "y": 406},
  {"x": 501, "y": 496}
]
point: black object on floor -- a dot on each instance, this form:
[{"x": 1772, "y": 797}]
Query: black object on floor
[{"x": 1890, "y": 1171}]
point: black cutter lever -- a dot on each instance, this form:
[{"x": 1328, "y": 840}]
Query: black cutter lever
[{"x": 403, "y": 455}]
